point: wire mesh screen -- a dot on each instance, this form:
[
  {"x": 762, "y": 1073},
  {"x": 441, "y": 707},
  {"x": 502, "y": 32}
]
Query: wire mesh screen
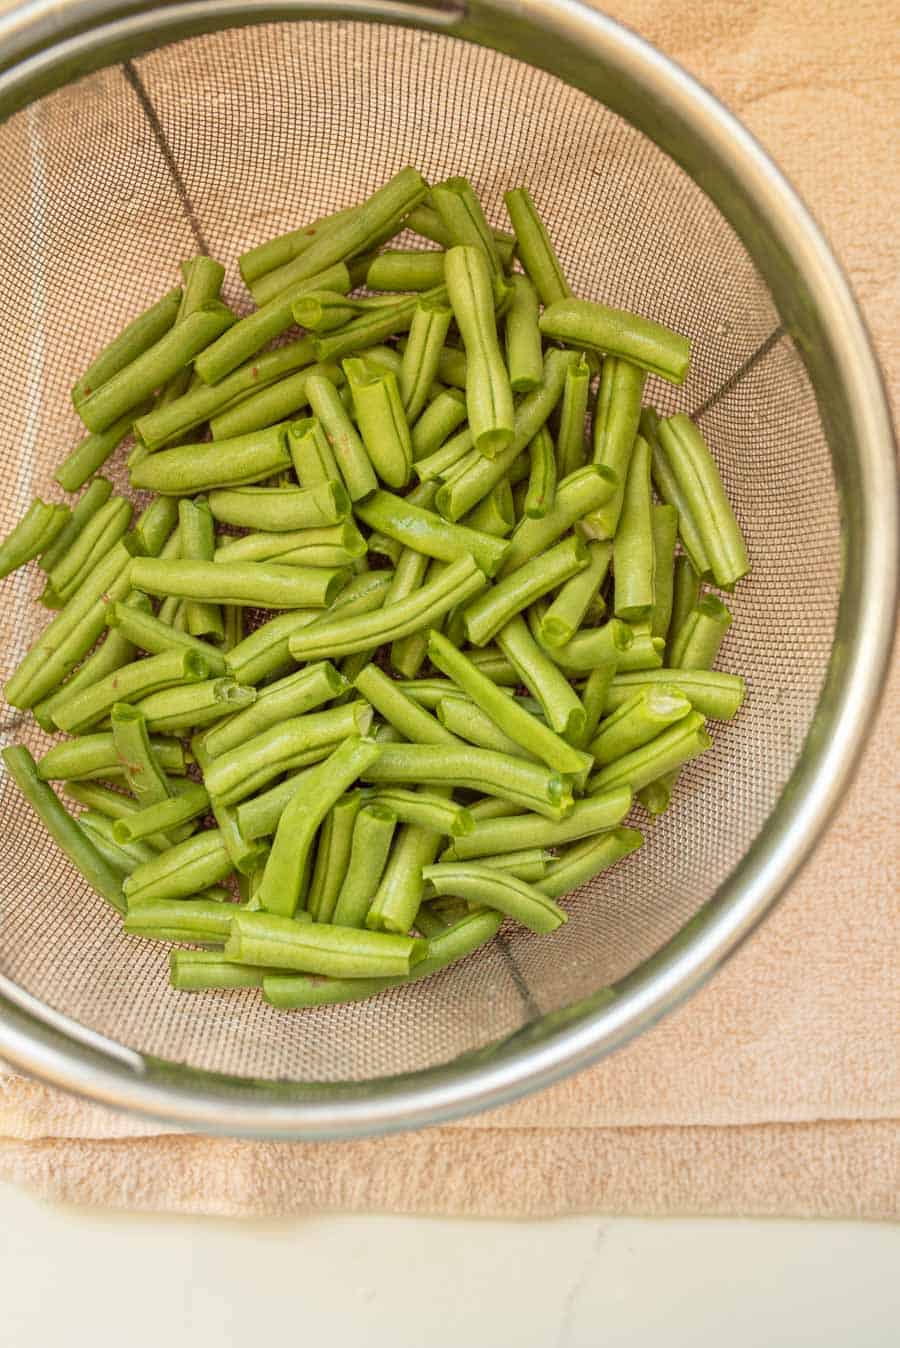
[{"x": 218, "y": 143}]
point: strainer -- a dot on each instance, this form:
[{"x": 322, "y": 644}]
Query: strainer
[{"x": 135, "y": 134}]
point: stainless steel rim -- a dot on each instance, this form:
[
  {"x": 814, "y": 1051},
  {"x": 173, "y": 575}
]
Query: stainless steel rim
[{"x": 43, "y": 45}]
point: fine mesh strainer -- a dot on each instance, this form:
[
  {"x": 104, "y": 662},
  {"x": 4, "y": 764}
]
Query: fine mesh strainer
[{"x": 133, "y": 136}]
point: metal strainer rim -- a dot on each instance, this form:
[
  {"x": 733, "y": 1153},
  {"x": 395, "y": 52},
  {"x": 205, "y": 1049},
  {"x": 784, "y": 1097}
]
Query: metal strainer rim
[{"x": 85, "y": 34}]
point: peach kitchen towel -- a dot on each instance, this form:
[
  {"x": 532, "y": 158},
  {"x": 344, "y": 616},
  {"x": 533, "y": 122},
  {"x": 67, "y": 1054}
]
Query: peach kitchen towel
[{"x": 775, "y": 1090}]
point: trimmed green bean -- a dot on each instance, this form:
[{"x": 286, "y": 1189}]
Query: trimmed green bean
[
  {"x": 145, "y": 778},
  {"x": 534, "y": 247},
  {"x": 197, "y": 543},
  {"x": 335, "y": 545},
  {"x": 239, "y": 772},
  {"x": 373, "y": 833},
  {"x": 489, "y": 399},
  {"x": 289, "y": 697},
  {"x": 495, "y": 665},
  {"x": 568, "y": 610},
  {"x": 496, "y": 889},
  {"x": 123, "y": 859},
  {"x": 697, "y": 643},
  {"x": 427, "y": 222},
  {"x": 173, "y": 351},
  {"x": 162, "y": 815},
  {"x": 588, "y": 858},
  {"x": 63, "y": 829},
  {"x": 91, "y": 756},
  {"x": 271, "y": 939},
  {"x": 595, "y": 646},
  {"x": 91, "y": 453},
  {"x": 246, "y": 857},
  {"x": 286, "y": 874},
  {"x": 203, "y": 921},
  {"x": 184, "y": 869},
  {"x": 530, "y": 864},
  {"x": 559, "y": 702},
  {"x": 90, "y": 704},
  {"x": 421, "y": 357},
  {"x": 717, "y": 696},
  {"x": 279, "y": 401},
  {"x": 664, "y": 526},
  {"x": 494, "y": 514},
  {"x": 258, "y": 817},
  {"x": 695, "y": 471},
  {"x": 468, "y": 722},
  {"x": 617, "y": 332},
  {"x": 148, "y": 633},
  {"x": 103, "y": 800},
  {"x": 493, "y": 609},
  {"x": 616, "y": 419},
  {"x": 156, "y": 528},
  {"x": 332, "y": 856},
  {"x": 175, "y": 711},
  {"x": 437, "y": 421},
  {"x": 413, "y": 722},
  {"x": 202, "y": 401},
  {"x": 576, "y": 496},
  {"x": 396, "y": 269},
  {"x": 203, "y": 279},
  {"x": 448, "y": 460},
  {"x": 325, "y": 310},
  {"x": 668, "y": 487},
  {"x": 637, "y": 721},
  {"x": 274, "y": 253},
  {"x": 595, "y": 814},
  {"x": 489, "y": 807},
  {"x": 313, "y": 457},
  {"x": 381, "y": 420},
  {"x": 373, "y": 327},
  {"x": 97, "y": 494},
  {"x": 671, "y": 749},
  {"x": 524, "y": 353},
  {"x": 657, "y": 796},
  {"x": 281, "y": 509},
  {"x": 540, "y": 493},
  {"x": 633, "y": 550},
  {"x": 426, "y": 809},
  {"x": 95, "y": 542},
  {"x": 350, "y": 454},
  {"x": 685, "y": 594},
  {"x": 249, "y": 584},
  {"x": 462, "y": 216},
  {"x": 522, "y": 782},
  {"x": 203, "y": 970},
  {"x": 571, "y": 449},
  {"x": 38, "y": 529},
  {"x": 136, "y": 338},
  {"x": 395, "y": 904},
  {"x": 427, "y": 532},
  {"x": 188, "y": 469},
  {"x": 453, "y": 368},
  {"x": 429, "y": 692},
  {"x": 336, "y": 635},
  {"x": 595, "y": 692}
]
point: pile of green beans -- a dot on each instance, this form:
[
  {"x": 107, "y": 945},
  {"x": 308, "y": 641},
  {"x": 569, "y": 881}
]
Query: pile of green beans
[{"x": 458, "y": 689}]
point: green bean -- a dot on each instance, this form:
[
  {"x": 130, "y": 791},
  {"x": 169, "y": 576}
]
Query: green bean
[
  {"x": 559, "y": 702},
  {"x": 205, "y": 921},
  {"x": 496, "y": 889},
  {"x": 595, "y": 646},
  {"x": 667, "y": 486},
  {"x": 290, "y": 992},
  {"x": 198, "y": 544},
  {"x": 524, "y": 783},
  {"x": 695, "y": 471},
  {"x": 93, "y": 451},
  {"x": 203, "y": 401},
  {"x": 38, "y": 529},
  {"x": 576, "y": 496},
  {"x": 669, "y": 750},
  {"x": 239, "y": 772},
  {"x": 664, "y": 524},
  {"x": 91, "y": 756},
  {"x": 428, "y": 533},
  {"x": 463, "y": 219},
  {"x": 637, "y": 721},
  {"x": 336, "y": 635},
  {"x": 325, "y": 310},
  {"x": 143, "y": 774},
  {"x": 615, "y": 430},
  {"x": 63, "y": 829},
  {"x": 285, "y": 879},
  {"x": 427, "y": 222},
  {"x": 281, "y": 509},
  {"x": 524, "y": 355},
  {"x": 95, "y": 541},
  {"x": 223, "y": 463},
  {"x": 530, "y": 864},
  {"x": 488, "y": 394},
  {"x": 399, "y": 270},
  {"x": 249, "y": 584},
  {"x": 142, "y": 629},
  {"x": 97, "y": 494},
  {"x": 685, "y": 594},
  {"x": 596, "y": 690},
  {"x": 162, "y": 815},
  {"x": 567, "y": 612},
  {"x": 312, "y": 455},
  {"x": 374, "y": 327},
  {"x": 656, "y": 796},
  {"x": 277, "y": 402},
  {"x": 203, "y": 279},
  {"x": 172, "y": 352},
  {"x": 495, "y": 665},
  {"x": 274, "y": 253},
  {"x": 102, "y": 800},
  {"x": 438, "y": 421},
  {"x": 590, "y": 816},
  {"x": 489, "y": 807},
  {"x": 258, "y": 817},
  {"x": 413, "y": 722},
  {"x": 490, "y": 611},
  {"x": 428, "y": 692},
  {"x": 571, "y": 450},
  {"x": 249, "y": 335},
  {"x": 270, "y": 939},
  {"x": 468, "y": 722},
  {"x": 421, "y": 356},
  {"x": 431, "y": 922},
  {"x": 373, "y": 833},
  {"x": 289, "y": 697},
  {"x": 534, "y": 247},
  {"x": 202, "y": 970},
  {"x": 633, "y": 549},
  {"x": 139, "y": 335},
  {"x": 123, "y": 859},
  {"x": 395, "y": 904},
  {"x": 700, "y": 635},
  {"x": 332, "y": 856},
  {"x": 245, "y": 856},
  {"x": 617, "y": 332},
  {"x": 381, "y": 420},
  {"x": 717, "y": 696},
  {"x": 541, "y": 489},
  {"x": 175, "y": 711},
  {"x": 91, "y": 704},
  {"x": 189, "y": 866},
  {"x": 448, "y": 460},
  {"x": 494, "y": 514},
  {"x": 334, "y": 545},
  {"x": 585, "y": 859},
  {"x": 426, "y": 809},
  {"x": 352, "y": 459}
]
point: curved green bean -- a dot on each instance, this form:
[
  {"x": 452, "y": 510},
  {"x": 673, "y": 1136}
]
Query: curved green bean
[
  {"x": 545, "y": 681},
  {"x": 427, "y": 809},
  {"x": 596, "y": 646},
  {"x": 413, "y": 722},
  {"x": 90, "y": 704},
  {"x": 489, "y": 399},
  {"x": 717, "y": 696},
  {"x": 274, "y": 253},
  {"x": 490, "y": 837},
  {"x": 669, "y": 750},
  {"x": 576, "y": 496},
  {"x": 540, "y": 493},
  {"x": 184, "y": 869},
  {"x": 164, "y": 814},
  {"x": 142, "y": 629},
  {"x": 248, "y": 584},
  {"x": 493, "y": 609},
  {"x": 580, "y": 863},
  {"x": 494, "y": 514},
  {"x": 281, "y": 509},
  {"x": 134, "y": 339},
  {"x": 617, "y": 332},
  {"x": 145, "y": 778},
  {"x": 530, "y": 864},
  {"x": 123, "y": 859},
  {"x": 496, "y": 889},
  {"x": 91, "y": 756}
]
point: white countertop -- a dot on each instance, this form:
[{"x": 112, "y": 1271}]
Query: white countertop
[{"x": 74, "y": 1277}]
